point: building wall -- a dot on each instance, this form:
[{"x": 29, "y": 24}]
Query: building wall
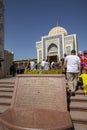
[
  {"x": 1, "y": 37},
  {"x": 70, "y": 43},
  {"x": 5, "y": 55}
]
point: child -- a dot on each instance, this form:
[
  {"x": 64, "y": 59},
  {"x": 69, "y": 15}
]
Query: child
[{"x": 84, "y": 79}]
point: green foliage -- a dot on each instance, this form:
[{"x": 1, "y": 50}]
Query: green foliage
[{"x": 57, "y": 71}]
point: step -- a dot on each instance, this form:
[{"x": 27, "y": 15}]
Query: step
[
  {"x": 78, "y": 98},
  {"x": 78, "y": 110},
  {"x": 7, "y": 81},
  {"x": 6, "y": 94},
  {"x": 6, "y": 101},
  {"x": 80, "y": 106},
  {"x": 78, "y": 126},
  {"x": 3, "y": 108},
  {"x": 79, "y": 117},
  {"x": 6, "y": 89},
  {"x": 6, "y": 85},
  {"x": 79, "y": 92},
  {"x": 11, "y": 79}
]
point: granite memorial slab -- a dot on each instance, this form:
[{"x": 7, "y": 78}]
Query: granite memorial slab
[{"x": 40, "y": 91}]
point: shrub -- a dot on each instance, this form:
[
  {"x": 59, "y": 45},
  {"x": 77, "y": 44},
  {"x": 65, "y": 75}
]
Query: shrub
[{"x": 57, "y": 71}]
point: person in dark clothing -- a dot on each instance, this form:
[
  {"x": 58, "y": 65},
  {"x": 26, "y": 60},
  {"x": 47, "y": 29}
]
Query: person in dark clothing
[{"x": 13, "y": 69}]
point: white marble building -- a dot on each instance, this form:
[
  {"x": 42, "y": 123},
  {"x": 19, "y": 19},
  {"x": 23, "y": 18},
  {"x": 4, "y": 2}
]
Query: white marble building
[{"x": 55, "y": 44}]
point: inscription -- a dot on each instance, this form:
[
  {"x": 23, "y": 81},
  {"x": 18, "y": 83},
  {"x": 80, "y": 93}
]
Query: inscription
[{"x": 40, "y": 92}]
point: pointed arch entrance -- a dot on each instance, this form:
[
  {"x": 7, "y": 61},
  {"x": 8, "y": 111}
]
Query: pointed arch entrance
[
  {"x": 52, "y": 58},
  {"x": 52, "y": 53}
]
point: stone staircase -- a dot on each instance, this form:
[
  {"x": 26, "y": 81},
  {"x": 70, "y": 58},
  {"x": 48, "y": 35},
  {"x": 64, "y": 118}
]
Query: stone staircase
[
  {"x": 78, "y": 110},
  {"x": 78, "y": 103},
  {"x": 6, "y": 92}
]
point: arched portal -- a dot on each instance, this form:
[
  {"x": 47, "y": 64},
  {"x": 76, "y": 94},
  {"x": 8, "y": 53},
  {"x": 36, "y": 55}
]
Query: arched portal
[{"x": 52, "y": 53}]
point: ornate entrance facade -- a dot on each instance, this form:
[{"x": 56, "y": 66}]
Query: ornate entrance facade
[{"x": 55, "y": 44}]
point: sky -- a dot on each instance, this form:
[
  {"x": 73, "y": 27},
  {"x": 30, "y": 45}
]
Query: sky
[{"x": 26, "y": 21}]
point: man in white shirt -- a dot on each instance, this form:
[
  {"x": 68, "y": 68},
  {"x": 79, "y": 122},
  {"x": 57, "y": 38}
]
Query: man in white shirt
[
  {"x": 43, "y": 64},
  {"x": 72, "y": 62},
  {"x": 32, "y": 65}
]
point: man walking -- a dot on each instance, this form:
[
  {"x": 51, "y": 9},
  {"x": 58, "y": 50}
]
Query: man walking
[{"x": 72, "y": 62}]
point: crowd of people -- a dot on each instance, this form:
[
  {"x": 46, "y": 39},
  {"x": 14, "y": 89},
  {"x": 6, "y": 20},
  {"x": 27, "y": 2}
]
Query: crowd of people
[
  {"x": 32, "y": 65},
  {"x": 44, "y": 65}
]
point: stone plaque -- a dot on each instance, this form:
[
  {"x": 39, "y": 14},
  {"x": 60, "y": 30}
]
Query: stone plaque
[{"x": 41, "y": 91}]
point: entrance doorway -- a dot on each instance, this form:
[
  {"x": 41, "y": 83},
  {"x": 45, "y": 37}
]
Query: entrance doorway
[{"x": 52, "y": 58}]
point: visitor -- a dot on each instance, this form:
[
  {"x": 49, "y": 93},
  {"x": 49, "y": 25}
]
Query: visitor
[
  {"x": 52, "y": 65},
  {"x": 72, "y": 62},
  {"x": 43, "y": 64},
  {"x": 13, "y": 69},
  {"x": 85, "y": 59},
  {"x": 84, "y": 79},
  {"x": 62, "y": 64},
  {"x": 18, "y": 68},
  {"x": 81, "y": 56},
  {"x": 21, "y": 68},
  {"x": 28, "y": 66},
  {"x": 39, "y": 66},
  {"x": 47, "y": 65},
  {"x": 32, "y": 65}
]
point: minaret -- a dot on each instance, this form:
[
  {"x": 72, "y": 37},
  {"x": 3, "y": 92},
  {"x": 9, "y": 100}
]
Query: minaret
[{"x": 1, "y": 38}]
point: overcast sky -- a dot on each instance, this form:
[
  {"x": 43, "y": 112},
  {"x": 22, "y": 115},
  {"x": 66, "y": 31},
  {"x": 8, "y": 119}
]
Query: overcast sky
[{"x": 26, "y": 21}]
